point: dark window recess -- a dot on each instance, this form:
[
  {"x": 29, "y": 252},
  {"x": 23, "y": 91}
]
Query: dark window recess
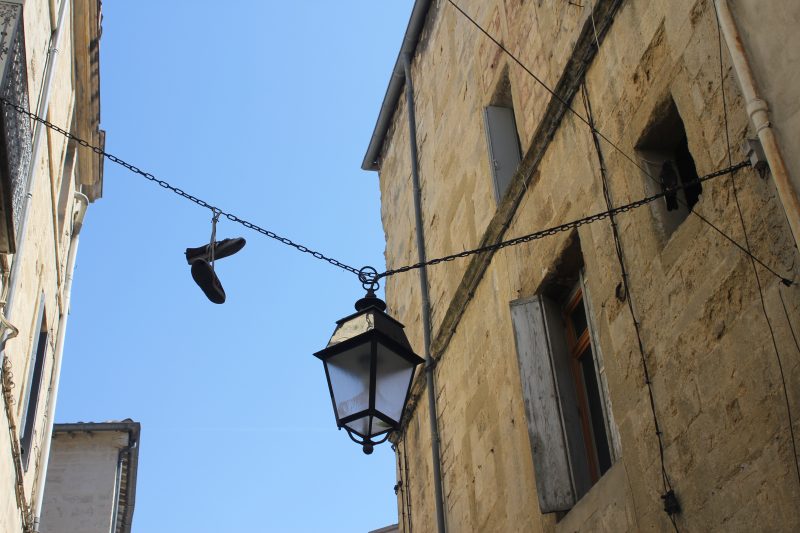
[
  {"x": 664, "y": 150},
  {"x": 16, "y": 134},
  {"x": 34, "y": 385}
]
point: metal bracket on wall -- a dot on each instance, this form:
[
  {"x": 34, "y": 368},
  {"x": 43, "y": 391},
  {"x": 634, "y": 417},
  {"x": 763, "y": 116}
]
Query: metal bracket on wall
[{"x": 755, "y": 153}]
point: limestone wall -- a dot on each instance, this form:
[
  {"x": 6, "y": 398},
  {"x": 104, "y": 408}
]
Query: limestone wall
[
  {"x": 42, "y": 260},
  {"x": 716, "y": 379}
]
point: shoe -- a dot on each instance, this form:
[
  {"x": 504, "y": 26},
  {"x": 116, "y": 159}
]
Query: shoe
[
  {"x": 207, "y": 280},
  {"x": 222, "y": 248}
]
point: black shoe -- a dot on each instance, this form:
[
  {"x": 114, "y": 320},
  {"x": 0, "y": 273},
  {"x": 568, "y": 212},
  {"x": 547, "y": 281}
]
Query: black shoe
[
  {"x": 207, "y": 280},
  {"x": 222, "y": 248}
]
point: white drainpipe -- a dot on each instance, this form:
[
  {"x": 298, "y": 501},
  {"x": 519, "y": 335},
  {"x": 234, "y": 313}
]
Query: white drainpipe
[
  {"x": 80, "y": 211},
  {"x": 758, "y": 110}
]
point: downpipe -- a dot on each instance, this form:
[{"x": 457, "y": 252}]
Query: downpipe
[
  {"x": 430, "y": 381},
  {"x": 758, "y": 111},
  {"x": 80, "y": 212}
]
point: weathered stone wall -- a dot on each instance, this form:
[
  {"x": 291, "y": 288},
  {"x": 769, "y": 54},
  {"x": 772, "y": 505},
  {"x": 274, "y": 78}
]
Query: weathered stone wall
[
  {"x": 43, "y": 260},
  {"x": 716, "y": 379}
]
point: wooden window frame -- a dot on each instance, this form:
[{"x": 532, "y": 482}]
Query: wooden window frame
[{"x": 579, "y": 345}]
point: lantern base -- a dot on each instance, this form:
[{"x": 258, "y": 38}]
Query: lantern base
[{"x": 367, "y": 444}]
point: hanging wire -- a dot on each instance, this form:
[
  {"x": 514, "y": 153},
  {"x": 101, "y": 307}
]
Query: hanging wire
[
  {"x": 670, "y": 502},
  {"x": 600, "y": 134},
  {"x": 408, "y": 491},
  {"x": 789, "y": 321},
  {"x": 755, "y": 270},
  {"x": 180, "y": 192},
  {"x": 399, "y": 487}
]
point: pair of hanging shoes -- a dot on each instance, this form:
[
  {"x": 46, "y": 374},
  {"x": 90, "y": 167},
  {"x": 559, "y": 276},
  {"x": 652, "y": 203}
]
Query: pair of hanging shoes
[{"x": 203, "y": 273}]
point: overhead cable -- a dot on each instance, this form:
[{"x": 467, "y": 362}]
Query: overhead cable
[{"x": 671, "y": 505}]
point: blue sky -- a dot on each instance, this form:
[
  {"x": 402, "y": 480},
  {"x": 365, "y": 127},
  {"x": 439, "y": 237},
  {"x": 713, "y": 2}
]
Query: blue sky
[{"x": 264, "y": 109}]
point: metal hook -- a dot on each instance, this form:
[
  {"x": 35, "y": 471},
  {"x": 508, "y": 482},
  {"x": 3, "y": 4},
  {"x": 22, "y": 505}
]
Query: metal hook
[{"x": 368, "y": 277}]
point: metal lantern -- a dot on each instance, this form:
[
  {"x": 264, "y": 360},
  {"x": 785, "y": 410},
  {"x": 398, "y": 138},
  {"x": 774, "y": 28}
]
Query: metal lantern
[{"x": 369, "y": 365}]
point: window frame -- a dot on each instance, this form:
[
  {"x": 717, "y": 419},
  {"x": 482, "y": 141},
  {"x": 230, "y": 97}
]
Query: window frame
[
  {"x": 580, "y": 346},
  {"x": 551, "y": 388},
  {"x": 502, "y": 142},
  {"x": 33, "y": 390}
]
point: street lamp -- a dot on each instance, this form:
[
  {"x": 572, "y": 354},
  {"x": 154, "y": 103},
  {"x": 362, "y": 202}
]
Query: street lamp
[{"x": 369, "y": 365}]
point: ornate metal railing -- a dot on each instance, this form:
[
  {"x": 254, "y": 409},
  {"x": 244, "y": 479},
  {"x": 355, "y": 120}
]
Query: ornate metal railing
[{"x": 16, "y": 133}]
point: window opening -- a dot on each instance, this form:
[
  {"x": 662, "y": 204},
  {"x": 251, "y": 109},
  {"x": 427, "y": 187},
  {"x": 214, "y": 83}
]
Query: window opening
[
  {"x": 28, "y": 419},
  {"x": 664, "y": 149},
  {"x": 587, "y": 389},
  {"x": 501, "y": 137},
  {"x": 570, "y": 423}
]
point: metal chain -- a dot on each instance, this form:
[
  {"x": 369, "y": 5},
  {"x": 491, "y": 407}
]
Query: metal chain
[
  {"x": 568, "y": 225},
  {"x": 367, "y": 275},
  {"x": 180, "y": 192}
]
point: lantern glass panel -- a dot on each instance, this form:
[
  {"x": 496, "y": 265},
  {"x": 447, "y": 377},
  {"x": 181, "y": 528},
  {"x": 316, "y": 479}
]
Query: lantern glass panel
[
  {"x": 360, "y": 425},
  {"x": 394, "y": 373},
  {"x": 349, "y": 374}
]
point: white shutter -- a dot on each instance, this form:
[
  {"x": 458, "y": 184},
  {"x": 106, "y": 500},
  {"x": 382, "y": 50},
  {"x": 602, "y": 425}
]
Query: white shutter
[
  {"x": 501, "y": 136},
  {"x": 561, "y": 469}
]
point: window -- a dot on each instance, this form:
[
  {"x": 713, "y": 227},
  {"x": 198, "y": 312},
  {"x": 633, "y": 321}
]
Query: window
[
  {"x": 587, "y": 388},
  {"x": 564, "y": 392},
  {"x": 664, "y": 150},
  {"x": 34, "y": 385},
  {"x": 15, "y": 130},
  {"x": 501, "y": 138}
]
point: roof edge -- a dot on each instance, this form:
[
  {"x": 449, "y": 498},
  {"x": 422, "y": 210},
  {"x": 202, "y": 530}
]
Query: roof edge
[
  {"x": 122, "y": 426},
  {"x": 410, "y": 40}
]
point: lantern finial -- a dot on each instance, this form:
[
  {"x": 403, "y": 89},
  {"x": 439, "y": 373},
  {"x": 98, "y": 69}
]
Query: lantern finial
[{"x": 370, "y": 300}]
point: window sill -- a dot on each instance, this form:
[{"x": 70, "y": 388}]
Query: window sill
[{"x": 604, "y": 507}]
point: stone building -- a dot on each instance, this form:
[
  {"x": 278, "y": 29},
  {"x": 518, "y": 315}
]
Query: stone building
[
  {"x": 91, "y": 478},
  {"x": 570, "y": 393},
  {"x": 49, "y": 63}
]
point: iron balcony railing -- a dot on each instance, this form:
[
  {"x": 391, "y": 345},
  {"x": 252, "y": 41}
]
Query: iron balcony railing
[{"x": 16, "y": 133}]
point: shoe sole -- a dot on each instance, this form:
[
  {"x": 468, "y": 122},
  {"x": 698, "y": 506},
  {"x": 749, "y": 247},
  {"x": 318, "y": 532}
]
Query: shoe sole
[
  {"x": 224, "y": 248},
  {"x": 208, "y": 281}
]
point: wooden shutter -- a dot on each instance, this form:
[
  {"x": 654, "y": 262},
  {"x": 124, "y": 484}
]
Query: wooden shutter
[
  {"x": 501, "y": 136},
  {"x": 561, "y": 468}
]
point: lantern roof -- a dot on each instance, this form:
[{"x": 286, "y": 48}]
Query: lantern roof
[{"x": 367, "y": 320}]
